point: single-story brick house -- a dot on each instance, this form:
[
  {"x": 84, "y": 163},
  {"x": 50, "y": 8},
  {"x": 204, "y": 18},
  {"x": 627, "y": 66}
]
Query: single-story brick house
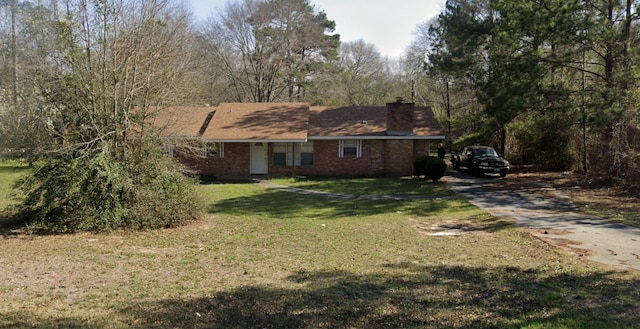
[{"x": 286, "y": 139}]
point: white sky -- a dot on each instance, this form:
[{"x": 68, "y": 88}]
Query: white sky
[{"x": 388, "y": 24}]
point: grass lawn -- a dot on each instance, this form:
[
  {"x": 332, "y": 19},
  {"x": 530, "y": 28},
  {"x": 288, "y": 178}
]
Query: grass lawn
[
  {"x": 10, "y": 171},
  {"x": 271, "y": 259}
]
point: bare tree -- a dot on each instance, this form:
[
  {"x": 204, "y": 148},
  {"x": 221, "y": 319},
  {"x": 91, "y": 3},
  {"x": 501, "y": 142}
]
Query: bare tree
[
  {"x": 115, "y": 63},
  {"x": 363, "y": 71},
  {"x": 29, "y": 40},
  {"x": 269, "y": 49}
]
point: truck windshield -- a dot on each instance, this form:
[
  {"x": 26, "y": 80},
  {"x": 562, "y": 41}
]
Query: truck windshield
[{"x": 489, "y": 151}]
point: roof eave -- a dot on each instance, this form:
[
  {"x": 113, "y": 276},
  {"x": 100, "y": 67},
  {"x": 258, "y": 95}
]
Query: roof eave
[
  {"x": 257, "y": 140},
  {"x": 385, "y": 137}
]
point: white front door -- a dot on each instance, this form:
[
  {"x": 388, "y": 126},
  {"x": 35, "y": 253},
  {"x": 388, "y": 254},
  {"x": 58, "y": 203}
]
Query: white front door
[{"x": 259, "y": 163}]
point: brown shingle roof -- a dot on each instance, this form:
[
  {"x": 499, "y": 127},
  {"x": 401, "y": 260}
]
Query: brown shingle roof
[
  {"x": 366, "y": 121},
  {"x": 347, "y": 121},
  {"x": 259, "y": 121},
  {"x": 179, "y": 121},
  {"x": 283, "y": 121},
  {"x": 426, "y": 123}
]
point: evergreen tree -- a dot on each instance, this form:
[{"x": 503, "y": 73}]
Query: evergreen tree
[{"x": 552, "y": 77}]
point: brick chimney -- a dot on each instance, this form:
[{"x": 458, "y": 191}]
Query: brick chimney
[{"x": 400, "y": 118}]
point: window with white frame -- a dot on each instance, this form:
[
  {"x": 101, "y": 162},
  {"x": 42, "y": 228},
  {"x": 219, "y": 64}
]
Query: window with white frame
[
  {"x": 282, "y": 154},
  {"x": 288, "y": 154},
  {"x": 212, "y": 149},
  {"x": 350, "y": 148},
  {"x": 304, "y": 154}
]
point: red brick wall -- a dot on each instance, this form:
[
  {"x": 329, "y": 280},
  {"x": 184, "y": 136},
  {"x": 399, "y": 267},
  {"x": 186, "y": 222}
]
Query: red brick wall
[
  {"x": 235, "y": 162},
  {"x": 327, "y": 163},
  {"x": 399, "y": 158},
  {"x": 400, "y": 118},
  {"x": 379, "y": 157},
  {"x": 422, "y": 147}
]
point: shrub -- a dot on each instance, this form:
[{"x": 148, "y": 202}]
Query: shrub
[
  {"x": 420, "y": 165},
  {"x": 435, "y": 168},
  {"x": 73, "y": 194},
  {"x": 429, "y": 166},
  {"x": 164, "y": 198},
  {"x": 99, "y": 193}
]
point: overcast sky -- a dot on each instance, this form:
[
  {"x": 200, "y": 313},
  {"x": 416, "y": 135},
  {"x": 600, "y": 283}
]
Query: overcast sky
[{"x": 388, "y": 24}]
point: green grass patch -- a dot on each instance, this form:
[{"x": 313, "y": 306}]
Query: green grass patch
[
  {"x": 10, "y": 172},
  {"x": 271, "y": 259},
  {"x": 406, "y": 186}
]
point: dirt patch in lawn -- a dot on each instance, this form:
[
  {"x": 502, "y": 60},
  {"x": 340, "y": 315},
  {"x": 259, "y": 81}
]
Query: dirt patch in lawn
[
  {"x": 569, "y": 246},
  {"x": 455, "y": 227},
  {"x": 550, "y": 236}
]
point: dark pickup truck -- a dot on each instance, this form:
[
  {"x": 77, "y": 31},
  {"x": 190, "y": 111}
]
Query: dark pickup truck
[{"x": 480, "y": 160}]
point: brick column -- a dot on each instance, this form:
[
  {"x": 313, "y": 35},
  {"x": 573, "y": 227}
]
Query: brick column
[{"x": 399, "y": 158}]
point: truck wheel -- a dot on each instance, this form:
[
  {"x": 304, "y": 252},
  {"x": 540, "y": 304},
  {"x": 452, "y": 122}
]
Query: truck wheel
[
  {"x": 503, "y": 174},
  {"x": 456, "y": 165}
]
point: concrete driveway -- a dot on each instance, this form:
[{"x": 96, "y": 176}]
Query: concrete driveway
[{"x": 550, "y": 215}]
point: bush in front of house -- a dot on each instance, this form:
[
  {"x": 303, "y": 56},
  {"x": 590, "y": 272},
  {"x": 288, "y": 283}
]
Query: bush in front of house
[
  {"x": 420, "y": 165},
  {"x": 430, "y": 167},
  {"x": 435, "y": 168}
]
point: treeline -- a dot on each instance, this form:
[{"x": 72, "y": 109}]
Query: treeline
[{"x": 553, "y": 83}]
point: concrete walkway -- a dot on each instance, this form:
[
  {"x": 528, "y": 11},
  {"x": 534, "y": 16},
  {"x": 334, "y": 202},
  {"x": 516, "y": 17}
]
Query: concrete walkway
[
  {"x": 271, "y": 185},
  {"x": 551, "y": 216}
]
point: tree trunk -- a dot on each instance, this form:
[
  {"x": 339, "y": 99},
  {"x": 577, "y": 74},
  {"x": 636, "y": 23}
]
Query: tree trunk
[{"x": 14, "y": 54}]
